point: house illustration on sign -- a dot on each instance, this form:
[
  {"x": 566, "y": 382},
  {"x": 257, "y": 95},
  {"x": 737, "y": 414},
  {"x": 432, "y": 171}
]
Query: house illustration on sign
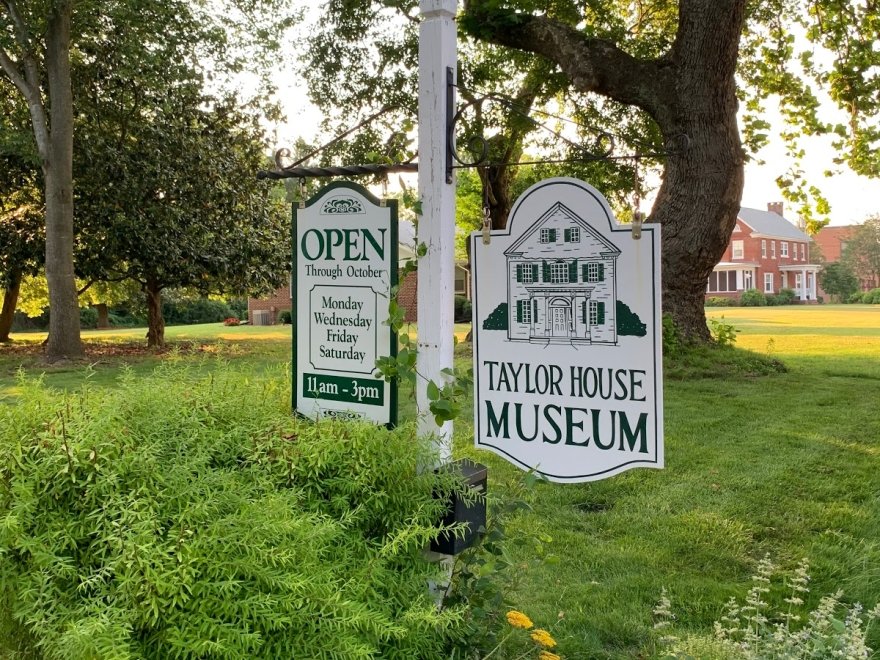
[{"x": 562, "y": 282}]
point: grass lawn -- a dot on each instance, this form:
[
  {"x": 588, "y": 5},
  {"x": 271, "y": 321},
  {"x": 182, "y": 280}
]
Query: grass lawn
[{"x": 783, "y": 464}]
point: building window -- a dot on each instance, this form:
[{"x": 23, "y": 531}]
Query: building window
[
  {"x": 558, "y": 272},
  {"x": 722, "y": 281},
  {"x": 737, "y": 249},
  {"x": 798, "y": 283},
  {"x": 763, "y": 249},
  {"x": 597, "y": 313},
  {"x": 768, "y": 282},
  {"x": 548, "y": 235},
  {"x": 783, "y": 249},
  {"x": 803, "y": 252},
  {"x": 573, "y": 235},
  {"x": 747, "y": 280},
  {"x": 772, "y": 249}
]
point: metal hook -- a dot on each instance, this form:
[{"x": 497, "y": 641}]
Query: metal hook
[{"x": 637, "y": 225}]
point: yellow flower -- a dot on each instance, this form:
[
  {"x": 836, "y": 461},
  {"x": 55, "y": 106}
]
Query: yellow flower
[
  {"x": 546, "y": 655},
  {"x": 519, "y": 620},
  {"x": 543, "y": 638}
]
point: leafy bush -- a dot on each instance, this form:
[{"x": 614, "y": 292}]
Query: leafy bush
[
  {"x": 723, "y": 333},
  {"x": 188, "y": 311},
  {"x": 88, "y": 318},
  {"x": 285, "y": 317},
  {"x": 856, "y": 298},
  {"x": 786, "y": 297},
  {"x": 752, "y": 298},
  {"x": 671, "y": 336},
  {"x": 720, "y": 301},
  {"x": 123, "y": 320},
  {"x": 871, "y": 297},
  {"x": 463, "y": 308},
  {"x": 182, "y": 516},
  {"x": 239, "y": 307}
]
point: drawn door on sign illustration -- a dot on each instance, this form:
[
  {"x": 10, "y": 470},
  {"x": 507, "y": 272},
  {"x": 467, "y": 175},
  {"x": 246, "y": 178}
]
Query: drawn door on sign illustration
[{"x": 560, "y": 310}]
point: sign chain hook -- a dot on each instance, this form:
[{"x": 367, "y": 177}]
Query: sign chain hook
[{"x": 487, "y": 214}]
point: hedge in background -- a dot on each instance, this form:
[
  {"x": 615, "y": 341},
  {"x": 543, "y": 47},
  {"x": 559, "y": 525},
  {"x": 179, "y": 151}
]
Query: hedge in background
[{"x": 183, "y": 516}]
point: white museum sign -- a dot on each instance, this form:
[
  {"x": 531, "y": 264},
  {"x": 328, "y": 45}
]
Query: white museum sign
[{"x": 567, "y": 337}]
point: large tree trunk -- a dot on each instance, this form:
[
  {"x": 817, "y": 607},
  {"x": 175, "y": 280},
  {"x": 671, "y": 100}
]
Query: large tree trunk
[
  {"x": 64, "y": 331},
  {"x": 103, "y": 316},
  {"x": 10, "y": 300},
  {"x": 689, "y": 91},
  {"x": 155, "y": 320}
]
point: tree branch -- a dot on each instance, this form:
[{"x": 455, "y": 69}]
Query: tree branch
[{"x": 592, "y": 65}]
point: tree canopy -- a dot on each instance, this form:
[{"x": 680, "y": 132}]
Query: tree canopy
[
  {"x": 648, "y": 73},
  {"x": 862, "y": 252},
  {"x": 97, "y": 57}
]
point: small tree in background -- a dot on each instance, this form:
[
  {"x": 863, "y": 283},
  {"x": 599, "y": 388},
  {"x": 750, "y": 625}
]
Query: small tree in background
[
  {"x": 837, "y": 279},
  {"x": 862, "y": 252}
]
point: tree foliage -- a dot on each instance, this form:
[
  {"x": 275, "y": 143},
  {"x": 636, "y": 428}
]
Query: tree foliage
[
  {"x": 837, "y": 279},
  {"x": 97, "y": 54},
  {"x": 174, "y": 202},
  {"x": 862, "y": 251},
  {"x": 649, "y": 73}
]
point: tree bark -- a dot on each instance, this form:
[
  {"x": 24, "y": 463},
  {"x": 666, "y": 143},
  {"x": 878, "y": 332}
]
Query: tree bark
[
  {"x": 64, "y": 331},
  {"x": 10, "y": 300},
  {"x": 155, "y": 320},
  {"x": 688, "y": 91},
  {"x": 103, "y": 316}
]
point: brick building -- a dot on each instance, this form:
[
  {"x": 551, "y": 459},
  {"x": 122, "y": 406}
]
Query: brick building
[{"x": 765, "y": 252}]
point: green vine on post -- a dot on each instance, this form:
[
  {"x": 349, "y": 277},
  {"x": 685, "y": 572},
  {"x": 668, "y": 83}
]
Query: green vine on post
[{"x": 445, "y": 402}]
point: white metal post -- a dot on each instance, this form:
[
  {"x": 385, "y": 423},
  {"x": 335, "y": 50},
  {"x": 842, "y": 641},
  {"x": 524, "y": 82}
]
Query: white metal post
[{"x": 436, "y": 273}]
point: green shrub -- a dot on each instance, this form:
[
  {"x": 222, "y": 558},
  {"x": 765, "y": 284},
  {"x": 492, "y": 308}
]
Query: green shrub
[
  {"x": 462, "y": 310},
  {"x": 787, "y": 297},
  {"x": 856, "y": 298},
  {"x": 752, "y": 298},
  {"x": 671, "y": 336},
  {"x": 719, "y": 301},
  {"x": 239, "y": 307},
  {"x": 285, "y": 317},
  {"x": 123, "y": 320},
  {"x": 88, "y": 318},
  {"x": 188, "y": 311},
  {"x": 871, "y": 297},
  {"x": 183, "y": 516},
  {"x": 723, "y": 333}
]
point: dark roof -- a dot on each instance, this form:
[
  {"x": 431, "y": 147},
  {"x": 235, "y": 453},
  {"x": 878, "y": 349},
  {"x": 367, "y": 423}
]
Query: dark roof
[{"x": 771, "y": 224}]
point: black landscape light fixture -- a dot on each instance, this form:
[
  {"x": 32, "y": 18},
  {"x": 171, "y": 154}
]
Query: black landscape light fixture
[{"x": 469, "y": 509}]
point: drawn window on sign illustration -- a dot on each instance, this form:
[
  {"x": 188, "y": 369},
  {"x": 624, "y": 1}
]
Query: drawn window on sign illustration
[
  {"x": 548, "y": 235},
  {"x": 526, "y": 310},
  {"x": 593, "y": 272},
  {"x": 573, "y": 235},
  {"x": 597, "y": 312},
  {"x": 527, "y": 273},
  {"x": 558, "y": 272}
]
